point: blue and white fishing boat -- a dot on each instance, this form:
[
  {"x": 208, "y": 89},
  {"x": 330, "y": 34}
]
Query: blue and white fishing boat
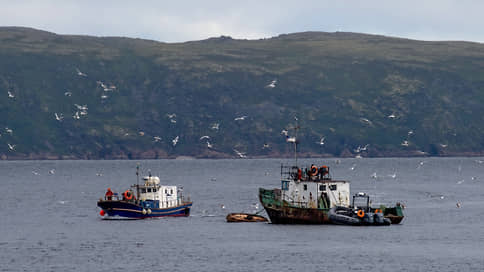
[{"x": 145, "y": 200}]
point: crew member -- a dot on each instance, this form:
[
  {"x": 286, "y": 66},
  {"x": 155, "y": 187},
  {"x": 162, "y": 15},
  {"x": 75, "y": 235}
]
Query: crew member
[{"x": 109, "y": 194}]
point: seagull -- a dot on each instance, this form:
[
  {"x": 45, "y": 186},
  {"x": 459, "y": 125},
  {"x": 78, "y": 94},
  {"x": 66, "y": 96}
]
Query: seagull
[
  {"x": 479, "y": 161},
  {"x": 215, "y": 126},
  {"x": 284, "y": 132},
  {"x": 101, "y": 84},
  {"x": 83, "y": 112},
  {"x": 10, "y": 95},
  {"x": 420, "y": 164},
  {"x": 141, "y": 133},
  {"x": 209, "y": 145},
  {"x": 364, "y": 148},
  {"x": 265, "y": 146},
  {"x": 353, "y": 167},
  {"x": 291, "y": 139},
  {"x": 171, "y": 115},
  {"x": 240, "y": 154},
  {"x": 82, "y": 108},
  {"x": 443, "y": 145},
  {"x": 410, "y": 132},
  {"x": 104, "y": 96},
  {"x": 173, "y": 121},
  {"x": 272, "y": 84},
  {"x": 79, "y": 73},
  {"x": 321, "y": 142},
  {"x": 205, "y": 137},
  {"x": 35, "y": 173},
  {"x": 392, "y": 116},
  {"x": 460, "y": 181},
  {"x": 374, "y": 176},
  {"x": 222, "y": 206},
  {"x": 58, "y": 117},
  {"x": 11, "y": 147},
  {"x": 241, "y": 118},
  {"x": 458, "y": 204},
  {"x": 8, "y": 130},
  {"x": 175, "y": 141},
  {"x": 67, "y": 93},
  {"x": 358, "y": 156},
  {"x": 404, "y": 143},
  {"x": 52, "y": 171},
  {"x": 393, "y": 176},
  {"x": 364, "y": 120},
  {"x": 76, "y": 116},
  {"x": 157, "y": 138}
]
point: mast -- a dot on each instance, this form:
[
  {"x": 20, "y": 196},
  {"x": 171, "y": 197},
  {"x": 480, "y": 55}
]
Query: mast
[
  {"x": 295, "y": 141},
  {"x": 137, "y": 181}
]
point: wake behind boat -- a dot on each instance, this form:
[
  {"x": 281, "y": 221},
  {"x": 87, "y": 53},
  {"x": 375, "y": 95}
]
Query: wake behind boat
[{"x": 151, "y": 200}]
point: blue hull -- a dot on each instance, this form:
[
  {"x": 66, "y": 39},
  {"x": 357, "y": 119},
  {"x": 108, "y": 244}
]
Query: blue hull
[{"x": 132, "y": 210}]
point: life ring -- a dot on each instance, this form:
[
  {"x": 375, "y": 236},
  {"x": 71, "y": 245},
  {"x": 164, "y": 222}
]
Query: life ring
[
  {"x": 128, "y": 195},
  {"x": 360, "y": 213},
  {"x": 378, "y": 211},
  {"x": 314, "y": 170}
]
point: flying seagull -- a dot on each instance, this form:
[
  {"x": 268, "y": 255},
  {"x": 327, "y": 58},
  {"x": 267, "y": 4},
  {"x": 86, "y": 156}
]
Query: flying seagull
[
  {"x": 11, "y": 147},
  {"x": 241, "y": 118},
  {"x": 10, "y": 94},
  {"x": 79, "y": 73},
  {"x": 58, "y": 117},
  {"x": 175, "y": 141},
  {"x": 240, "y": 154},
  {"x": 272, "y": 84}
]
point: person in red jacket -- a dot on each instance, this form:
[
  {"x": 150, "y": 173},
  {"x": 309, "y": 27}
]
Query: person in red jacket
[{"x": 109, "y": 194}]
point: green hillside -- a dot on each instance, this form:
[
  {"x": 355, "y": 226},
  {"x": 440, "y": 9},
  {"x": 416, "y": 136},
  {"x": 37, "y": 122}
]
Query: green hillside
[{"x": 352, "y": 89}]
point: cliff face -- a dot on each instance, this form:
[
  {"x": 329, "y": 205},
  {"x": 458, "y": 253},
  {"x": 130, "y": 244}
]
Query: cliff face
[{"x": 88, "y": 97}]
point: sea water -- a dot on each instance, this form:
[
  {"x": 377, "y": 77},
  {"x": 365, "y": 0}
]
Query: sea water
[{"x": 49, "y": 220}]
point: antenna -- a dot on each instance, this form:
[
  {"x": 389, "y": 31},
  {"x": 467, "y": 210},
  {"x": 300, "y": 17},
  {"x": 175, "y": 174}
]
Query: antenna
[
  {"x": 296, "y": 128},
  {"x": 137, "y": 180}
]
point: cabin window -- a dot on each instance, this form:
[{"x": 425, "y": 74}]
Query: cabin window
[
  {"x": 154, "y": 190},
  {"x": 332, "y": 187},
  {"x": 322, "y": 187},
  {"x": 149, "y": 190},
  {"x": 143, "y": 190},
  {"x": 305, "y": 187},
  {"x": 171, "y": 191},
  {"x": 166, "y": 191},
  {"x": 285, "y": 185}
]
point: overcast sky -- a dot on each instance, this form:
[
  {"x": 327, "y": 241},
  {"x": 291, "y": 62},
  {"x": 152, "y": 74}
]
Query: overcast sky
[{"x": 178, "y": 21}]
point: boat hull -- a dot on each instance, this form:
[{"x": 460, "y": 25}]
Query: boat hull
[
  {"x": 245, "y": 217},
  {"x": 135, "y": 210}
]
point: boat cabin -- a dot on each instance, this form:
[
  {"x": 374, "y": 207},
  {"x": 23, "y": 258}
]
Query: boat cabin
[
  {"x": 313, "y": 188},
  {"x": 161, "y": 195}
]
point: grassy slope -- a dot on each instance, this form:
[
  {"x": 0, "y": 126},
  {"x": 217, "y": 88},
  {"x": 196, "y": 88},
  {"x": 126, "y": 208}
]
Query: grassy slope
[{"x": 329, "y": 80}]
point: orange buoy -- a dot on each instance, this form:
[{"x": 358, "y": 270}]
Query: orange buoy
[
  {"x": 360, "y": 213},
  {"x": 102, "y": 213}
]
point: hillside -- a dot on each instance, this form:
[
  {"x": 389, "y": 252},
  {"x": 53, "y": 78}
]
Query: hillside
[{"x": 134, "y": 97}]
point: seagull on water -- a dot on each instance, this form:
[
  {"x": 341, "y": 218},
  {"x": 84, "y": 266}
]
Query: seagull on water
[
  {"x": 10, "y": 94},
  {"x": 175, "y": 141}
]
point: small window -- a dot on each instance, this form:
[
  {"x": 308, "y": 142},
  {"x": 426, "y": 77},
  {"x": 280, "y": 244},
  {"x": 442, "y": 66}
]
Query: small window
[
  {"x": 154, "y": 190},
  {"x": 305, "y": 187},
  {"x": 149, "y": 190},
  {"x": 166, "y": 191},
  {"x": 322, "y": 187},
  {"x": 171, "y": 191},
  {"x": 332, "y": 187},
  {"x": 143, "y": 190}
]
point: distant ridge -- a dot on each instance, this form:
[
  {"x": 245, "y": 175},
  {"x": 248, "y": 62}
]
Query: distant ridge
[{"x": 400, "y": 97}]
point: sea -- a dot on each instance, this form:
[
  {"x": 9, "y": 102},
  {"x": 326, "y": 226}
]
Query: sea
[{"x": 49, "y": 220}]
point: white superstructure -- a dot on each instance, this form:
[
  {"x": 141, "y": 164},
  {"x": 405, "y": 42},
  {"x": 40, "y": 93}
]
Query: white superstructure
[
  {"x": 152, "y": 190},
  {"x": 316, "y": 193}
]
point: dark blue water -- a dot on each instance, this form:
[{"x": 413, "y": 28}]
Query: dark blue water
[{"x": 50, "y": 222}]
